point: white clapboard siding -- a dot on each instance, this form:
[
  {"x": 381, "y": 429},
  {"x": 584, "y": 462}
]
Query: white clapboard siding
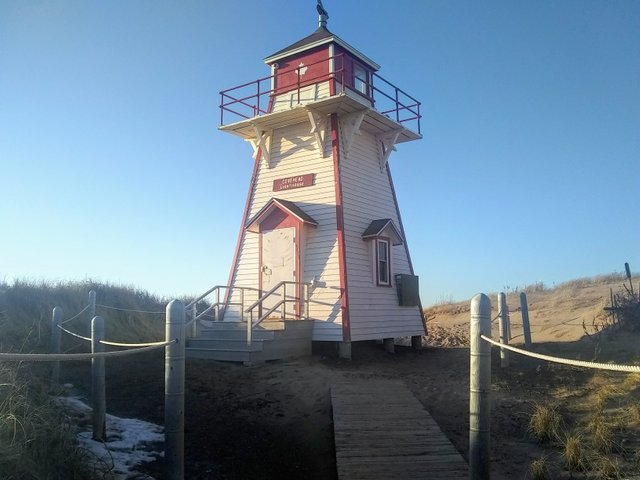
[
  {"x": 366, "y": 196},
  {"x": 294, "y": 152},
  {"x": 310, "y": 93}
]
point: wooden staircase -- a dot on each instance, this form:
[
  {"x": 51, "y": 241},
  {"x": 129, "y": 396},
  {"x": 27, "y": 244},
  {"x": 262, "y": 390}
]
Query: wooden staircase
[{"x": 271, "y": 340}]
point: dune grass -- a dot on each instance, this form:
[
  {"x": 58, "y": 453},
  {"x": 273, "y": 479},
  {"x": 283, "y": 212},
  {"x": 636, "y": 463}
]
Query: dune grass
[{"x": 37, "y": 441}]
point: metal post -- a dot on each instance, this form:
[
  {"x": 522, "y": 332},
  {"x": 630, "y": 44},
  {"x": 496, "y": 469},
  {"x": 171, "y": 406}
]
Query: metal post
[
  {"x": 174, "y": 391},
  {"x": 524, "y": 309},
  {"x": 479, "y": 390},
  {"x": 56, "y": 318},
  {"x": 503, "y": 313},
  {"x": 91, "y": 310},
  {"x": 193, "y": 312},
  {"x": 97, "y": 380},
  {"x": 284, "y": 303},
  {"x": 218, "y": 305}
]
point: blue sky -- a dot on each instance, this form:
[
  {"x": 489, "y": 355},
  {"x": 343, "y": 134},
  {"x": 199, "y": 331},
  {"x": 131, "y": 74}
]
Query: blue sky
[{"x": 112, "y": 167}]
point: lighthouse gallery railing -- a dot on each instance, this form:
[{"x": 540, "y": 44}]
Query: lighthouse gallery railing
[{"x": 255, "y": 98}]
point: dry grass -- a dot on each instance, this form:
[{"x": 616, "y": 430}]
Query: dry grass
[
  {"x": 573, "y": 452},
  {"x": 545, "y": 423},
  {"x": 539, "y": 469},
  {"x": 36, "y": 439}
]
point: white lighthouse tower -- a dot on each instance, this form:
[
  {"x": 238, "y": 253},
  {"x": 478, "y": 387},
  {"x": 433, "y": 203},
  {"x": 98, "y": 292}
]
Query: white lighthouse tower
[{"x": 322, "y": 250}]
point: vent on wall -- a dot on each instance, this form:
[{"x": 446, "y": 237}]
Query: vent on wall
[{"x": 407, "y": 286}]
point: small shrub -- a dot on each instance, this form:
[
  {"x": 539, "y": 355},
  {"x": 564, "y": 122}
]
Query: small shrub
[
  {"x": 545, "y": 423},
  {"x": 539, "y": 469}
]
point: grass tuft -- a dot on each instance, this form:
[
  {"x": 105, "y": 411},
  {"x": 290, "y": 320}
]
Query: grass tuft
[
  {"x": 539, "y": 469},
  {"x": 573, "y": 452},
  {"x": 545, "y": 422}
]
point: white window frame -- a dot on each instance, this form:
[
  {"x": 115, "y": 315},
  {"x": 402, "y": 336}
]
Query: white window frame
[
  {"x": 360, "y": 79},
  {"x": 387, "y": 270}
]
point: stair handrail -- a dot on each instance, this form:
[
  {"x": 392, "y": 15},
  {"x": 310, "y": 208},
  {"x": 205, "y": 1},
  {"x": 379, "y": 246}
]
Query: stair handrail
[
  {"x": 192, "y": 306},
  {"x": 251, "y": 308}
]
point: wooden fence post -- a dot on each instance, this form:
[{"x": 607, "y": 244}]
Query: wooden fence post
[
  {"x": 524, "y": 309},
  {"x": 174, "y": 391},
  {"x": 503, "y": 314},
  {"x": 56, "y": 318},
  {"x": 97, "y": 380},
  {"x": 91, "y": 309},
  {"x": 479, "y": 389}
]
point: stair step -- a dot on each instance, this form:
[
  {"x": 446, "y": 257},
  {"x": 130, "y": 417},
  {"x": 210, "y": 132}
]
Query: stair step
[
  {"x": 218, "y": 354},
  {"x": 271, "y": 340},
  {"x": 225, "y": 344},
  {"x": 236, "y": 334}
]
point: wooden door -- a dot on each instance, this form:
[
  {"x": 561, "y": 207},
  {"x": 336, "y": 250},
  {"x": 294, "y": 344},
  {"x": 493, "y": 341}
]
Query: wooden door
[{"x": 278, "y": 264}]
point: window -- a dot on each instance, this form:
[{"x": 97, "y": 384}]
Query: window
[
  {"x": 383, "y": 264},
  {"x": 360, "y": 80}
]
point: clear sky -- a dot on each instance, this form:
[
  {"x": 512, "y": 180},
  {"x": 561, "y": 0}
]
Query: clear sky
[{"x": 112, "y": 167}]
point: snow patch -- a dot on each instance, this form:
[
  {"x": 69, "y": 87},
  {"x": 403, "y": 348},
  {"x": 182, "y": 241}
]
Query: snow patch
[{"x": 130, "y": 442}]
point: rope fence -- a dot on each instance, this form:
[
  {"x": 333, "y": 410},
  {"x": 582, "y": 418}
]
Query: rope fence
[
  {"x": 76, "y": 315},
  {"x": 73, "y": 334},
  {"x": 480, "y": 343},
  {"x": 64, "y": 357},
  {"x": 130, "y": 310},
  {"x": 174, "y": 345},
  {"x": 566, "y": 361}
]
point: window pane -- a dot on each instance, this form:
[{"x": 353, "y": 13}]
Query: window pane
[
  {"x": 383, "y": 262},
  {"x": 360, "y": 79},
  {"x": 382, "y": 251}
]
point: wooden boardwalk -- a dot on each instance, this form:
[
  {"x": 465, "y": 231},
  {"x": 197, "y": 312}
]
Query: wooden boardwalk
[{"x": 383, "y": 432}]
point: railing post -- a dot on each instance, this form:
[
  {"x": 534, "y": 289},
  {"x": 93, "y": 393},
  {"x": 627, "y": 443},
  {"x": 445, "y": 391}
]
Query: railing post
[
  {"x": 91, "y": 310},
  {"x": 174, "y": 391},
  {"x": 298, "y": 74},
  {"x": 242, "y": 305},
  {"x": 193, "y": 313},
  {"x": 56, "y": 318},
  {"x": 503, "y": 314},
  {"x": 97, "y": 380},
  {"x": 257, "y": 101},
  {"x": 479, "y": 389},
  {"x": 284, "y": 304},
  {"x": 249, "y": 328},
  {"x": 306, "y": 304},
  {"x": 524, "y": 309},
  {"x": 218, "y": 305}
]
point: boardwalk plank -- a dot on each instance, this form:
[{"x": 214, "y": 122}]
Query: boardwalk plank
[{"x": 382, "y": 431}]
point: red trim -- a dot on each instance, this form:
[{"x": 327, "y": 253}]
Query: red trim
[
  {"x": 298, "y": 289},
  {"x": 344, "y": 298},
  {"x": 260, "y": 272},
  {"x": 406, "y": 245},
  {"x": 245, "y": 216}
]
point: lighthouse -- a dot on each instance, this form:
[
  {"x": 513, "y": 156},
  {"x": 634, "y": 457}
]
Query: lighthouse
[{"x": 322, "y": 249}]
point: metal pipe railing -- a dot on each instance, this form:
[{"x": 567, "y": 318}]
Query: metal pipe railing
[{"x": 253, "y": 97}]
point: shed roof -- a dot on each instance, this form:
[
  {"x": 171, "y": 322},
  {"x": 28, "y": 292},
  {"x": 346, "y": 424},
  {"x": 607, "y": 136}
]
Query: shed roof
[
  {"x": 378, "y": 227},
  {"x": 286, "y": 206}
]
